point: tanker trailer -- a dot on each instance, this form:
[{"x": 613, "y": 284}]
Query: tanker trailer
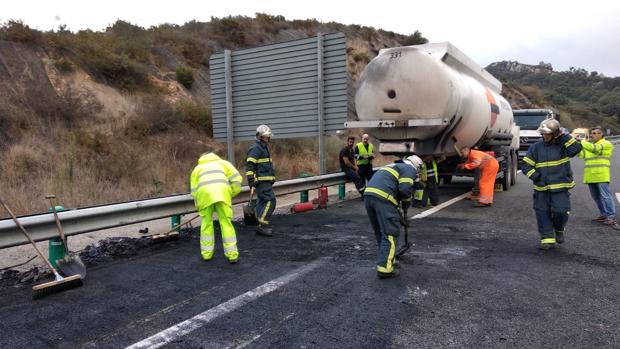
[{"x": 431, "y": 99}]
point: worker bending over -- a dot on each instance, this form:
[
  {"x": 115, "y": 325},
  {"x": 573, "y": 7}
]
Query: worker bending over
[
  {"x": 547, "y": 164},
  {"x": 261, "y": 176},
  {"x": 488, "y": 171},
  {"x": 388, "y": 186},
  {"x": 214, "y": 182}
]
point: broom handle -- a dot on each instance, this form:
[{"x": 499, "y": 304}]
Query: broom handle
[
  {"x": 60, "y": 230},
  {"x": 180, "y": 224},
  {"x": 28, "y": 236}
]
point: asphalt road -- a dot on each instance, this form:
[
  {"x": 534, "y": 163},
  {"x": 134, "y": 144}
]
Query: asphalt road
[{"x": 475, "y": 278}]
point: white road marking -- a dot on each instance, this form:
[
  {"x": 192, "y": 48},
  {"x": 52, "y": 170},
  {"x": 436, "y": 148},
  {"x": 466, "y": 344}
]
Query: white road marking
[
  {"x": 618, "y": 197},
  {"x": 174, "y": 332},
  {"x": 448, "y": 203},
  {"x": 440, "y": 206}
]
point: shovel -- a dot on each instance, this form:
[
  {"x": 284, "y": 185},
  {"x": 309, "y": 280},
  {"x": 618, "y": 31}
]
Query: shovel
[
  {"x": 403, "y": 249},
  {"x": 249, "y": 211},
  {"x": 71, "y": 264}
]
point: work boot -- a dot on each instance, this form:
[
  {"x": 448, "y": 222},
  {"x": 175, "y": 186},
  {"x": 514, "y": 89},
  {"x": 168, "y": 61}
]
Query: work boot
[
  {"x": 233, "y": 260},
  {"x": 599, "y": 219},
  {"x": 480, "y": 204},
  {"x": 546, "y": 246},
  {"x": 559, "y": 237},
  {"x": 610, "y": 221},
  {"x": 264, "y": 230},
  {"x": 387, "y": 275}
]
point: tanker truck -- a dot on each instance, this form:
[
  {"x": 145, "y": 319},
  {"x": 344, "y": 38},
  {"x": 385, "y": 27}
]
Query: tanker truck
[{"x": 431, "y": 99}]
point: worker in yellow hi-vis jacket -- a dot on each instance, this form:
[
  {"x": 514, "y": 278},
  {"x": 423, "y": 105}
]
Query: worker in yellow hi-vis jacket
[{"x": 214, "y": 182}]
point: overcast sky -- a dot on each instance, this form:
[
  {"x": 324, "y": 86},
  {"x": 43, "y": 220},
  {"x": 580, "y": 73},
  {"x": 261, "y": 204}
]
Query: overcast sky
[{"x": 585, "y": 34}]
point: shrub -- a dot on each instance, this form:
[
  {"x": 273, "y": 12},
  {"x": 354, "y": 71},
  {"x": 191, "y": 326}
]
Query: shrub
[
  {"x": 414, "y": 39},
  {"x": 361, "y": 57},
  {"x": 17, "y": 31},
  {"x": 185, "y": 76},
  {"x": 64, "y": 66}
]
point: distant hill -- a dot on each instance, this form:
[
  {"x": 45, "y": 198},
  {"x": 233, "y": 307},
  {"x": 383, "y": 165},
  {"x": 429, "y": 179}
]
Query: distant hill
[{"x": 582, "y": 98}]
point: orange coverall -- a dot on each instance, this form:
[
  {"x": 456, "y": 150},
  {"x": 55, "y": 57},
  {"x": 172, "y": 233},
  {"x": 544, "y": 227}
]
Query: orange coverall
[{"x": 488, "y": 170}]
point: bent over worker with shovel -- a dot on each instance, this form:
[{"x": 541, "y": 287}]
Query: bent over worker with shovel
[
  {"x": 214, "y": 182},
  {"x": 388, "y": 186}
]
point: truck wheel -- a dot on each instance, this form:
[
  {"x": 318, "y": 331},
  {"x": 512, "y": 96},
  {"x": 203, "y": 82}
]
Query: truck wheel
[
  {"x": 515, "y": 166},
  {"x": 507, "y": 175}
]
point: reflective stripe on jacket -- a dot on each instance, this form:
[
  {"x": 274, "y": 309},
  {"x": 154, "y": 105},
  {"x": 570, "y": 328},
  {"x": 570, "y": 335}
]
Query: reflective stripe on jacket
[
  {"x": 258, "y": 163},
  {"x": 548, "y": 164},
  {"x": 361, "y": 153},
  {"x": 214, "y": 180},
  {"x": 430, "y": 172},
  {"x": 392, "y": 183},
  {"x": 597, "y": 157}
]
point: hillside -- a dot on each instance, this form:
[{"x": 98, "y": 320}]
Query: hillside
[
  {"x": 582, "y": 98},
  {"x": 122, "y": 114}
]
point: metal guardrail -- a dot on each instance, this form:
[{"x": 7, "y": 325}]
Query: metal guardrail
[{"x": 83, "y": 220}]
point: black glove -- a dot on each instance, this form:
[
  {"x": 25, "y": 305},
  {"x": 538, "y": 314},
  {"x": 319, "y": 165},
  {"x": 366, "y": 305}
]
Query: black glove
[{"x": 251, "y": 182}]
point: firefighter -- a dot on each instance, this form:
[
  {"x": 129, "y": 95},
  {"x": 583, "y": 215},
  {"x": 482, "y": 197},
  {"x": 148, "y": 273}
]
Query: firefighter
[
  {"x": 547, "y": 164},
  {"x": 596, "y": 174},
  {"x": 488, "y": 166},
  {"x": 261, "y": 176},
  {"x": 364, "y": 153},
  {"x": 214, "y": 182},
  {"x": 390, "y": 185}
]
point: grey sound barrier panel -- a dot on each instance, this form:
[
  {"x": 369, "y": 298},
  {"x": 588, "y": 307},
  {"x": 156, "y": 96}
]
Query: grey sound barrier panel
[{"x": 278, "y": 85}]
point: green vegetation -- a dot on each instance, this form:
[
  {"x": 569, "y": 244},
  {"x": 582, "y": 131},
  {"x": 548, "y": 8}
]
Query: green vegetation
[
  {"x": 185, "y": 76},
  {"x": 586, "y": 98}
]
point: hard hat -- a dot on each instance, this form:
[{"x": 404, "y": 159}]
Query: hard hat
[
  {"x": 415, "y": 161},
  {"x": 263, "y": 131},
  {"x": 549, "y": 126}
]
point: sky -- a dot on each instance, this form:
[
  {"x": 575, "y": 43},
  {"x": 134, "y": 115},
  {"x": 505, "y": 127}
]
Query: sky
[{"x": 584, "y": 34}]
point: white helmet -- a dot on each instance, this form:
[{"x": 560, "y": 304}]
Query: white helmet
[
  {"x": 414, "y": 161},
  {"x": 263, "y": 131},
  {"x": 549, "y": 126}
]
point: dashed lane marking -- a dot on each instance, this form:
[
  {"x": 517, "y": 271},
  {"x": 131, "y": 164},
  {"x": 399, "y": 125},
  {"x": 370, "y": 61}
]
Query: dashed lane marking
[
  {"x": 174, "y": 332},
  {"x": 618, "y": 197}
]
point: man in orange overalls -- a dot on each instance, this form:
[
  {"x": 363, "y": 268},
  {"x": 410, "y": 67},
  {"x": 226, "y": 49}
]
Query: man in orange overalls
[{"x": 488, "y": 171}]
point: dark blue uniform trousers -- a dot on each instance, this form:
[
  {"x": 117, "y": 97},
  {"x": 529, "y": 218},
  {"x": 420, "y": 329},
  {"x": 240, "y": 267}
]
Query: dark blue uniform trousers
[
  {"x": 266, "y": 202},
  {"x": 385, "y": 221},
  {"x": 552, "y": 210}
]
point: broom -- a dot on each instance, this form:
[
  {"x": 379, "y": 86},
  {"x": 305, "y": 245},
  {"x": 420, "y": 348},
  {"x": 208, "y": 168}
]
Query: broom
[
  {"x": 59, "y": 284},
  {"x": 171, "y": 234}
]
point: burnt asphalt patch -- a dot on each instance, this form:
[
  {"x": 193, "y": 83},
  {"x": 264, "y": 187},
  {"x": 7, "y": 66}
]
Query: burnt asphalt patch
[{"x": 474, "y": 278}]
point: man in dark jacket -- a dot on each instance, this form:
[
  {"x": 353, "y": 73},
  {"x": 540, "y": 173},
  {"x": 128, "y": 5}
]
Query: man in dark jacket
[
  {"x": 547, "y": 164},
  {"x": 389, "y": 186},
  {"x": 348, "y": 166},
  {"x": 261, "y": 176}
]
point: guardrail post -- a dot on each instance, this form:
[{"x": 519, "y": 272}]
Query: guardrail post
[
  {"x": 56, "y": 247},
  {"x": 174, "y": 221},
  {"x": 341, "y": 191},
  {"x": 303, "y": 195}
]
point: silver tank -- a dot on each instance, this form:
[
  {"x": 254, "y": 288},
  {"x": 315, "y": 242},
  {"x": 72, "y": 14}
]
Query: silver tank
[{"x": 445, "y": 99}]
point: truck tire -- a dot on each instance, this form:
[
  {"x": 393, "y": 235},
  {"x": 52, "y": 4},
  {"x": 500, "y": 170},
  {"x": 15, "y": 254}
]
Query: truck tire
[
  {"x": 515, "y": 167},
  {"x": 507, "y": 174}
]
